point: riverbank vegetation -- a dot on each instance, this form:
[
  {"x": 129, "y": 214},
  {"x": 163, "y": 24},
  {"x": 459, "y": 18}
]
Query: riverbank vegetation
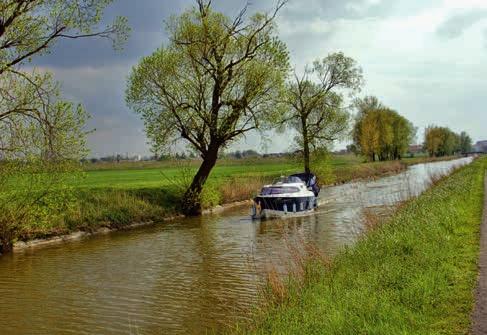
[
  {"x": 117, "y": 195},
  {"x": 381, "y": 133},
  {"x": 442, "y": 141},
  {"x": 42, "y": 136},
  {"x": 413, "y": 274}
]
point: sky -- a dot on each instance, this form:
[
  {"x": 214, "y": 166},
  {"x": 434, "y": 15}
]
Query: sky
[{"x": 427, "y": 59}]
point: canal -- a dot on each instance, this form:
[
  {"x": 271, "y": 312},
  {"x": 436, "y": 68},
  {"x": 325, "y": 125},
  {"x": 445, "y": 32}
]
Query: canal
[{"x": 186, "y": 277}]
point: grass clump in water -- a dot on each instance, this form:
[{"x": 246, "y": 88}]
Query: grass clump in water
[{"x": 413, "y": 275}]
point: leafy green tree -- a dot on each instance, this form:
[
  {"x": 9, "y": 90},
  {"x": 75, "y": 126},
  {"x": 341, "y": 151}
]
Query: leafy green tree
[
  {"x": 404, "y": 133},
  {"x": 41, "y": 141},
  {"x": 42, "y": 137},
  {"x": 451, "y": 145},
  {"x": 370, "y": 139},
  {"x": 364, "y": 134},
  {"x": 316, "y": 103},
  {"x": 380, "y": 132},
  {"x": 215, "y": 81},
  {"x": 35, "y": 122},
  {"x": 465, "y": 143},
  {"x": 31, "y": 100},
  {"x": 441, "y": 141},
  {"x": 433, "y": 139},
  {"x": 30, "y": 27}
]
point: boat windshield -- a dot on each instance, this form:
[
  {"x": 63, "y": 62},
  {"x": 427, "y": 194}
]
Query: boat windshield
[
  {"x": 286, "y": 180},
  {"x": 278, "y": 190}
]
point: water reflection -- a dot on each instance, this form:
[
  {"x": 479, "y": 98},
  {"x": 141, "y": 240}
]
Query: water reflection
[{"x": 186, "y": 277}]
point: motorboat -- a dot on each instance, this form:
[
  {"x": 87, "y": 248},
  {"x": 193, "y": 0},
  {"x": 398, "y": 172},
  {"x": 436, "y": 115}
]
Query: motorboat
[{"x": 293, "y": 195}]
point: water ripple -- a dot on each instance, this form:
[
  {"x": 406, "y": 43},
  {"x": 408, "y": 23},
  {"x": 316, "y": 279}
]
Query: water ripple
[{"x": 187, "y": 277}]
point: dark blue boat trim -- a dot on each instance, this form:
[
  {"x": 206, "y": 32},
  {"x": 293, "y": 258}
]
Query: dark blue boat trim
[{"x": 286, "y": 204}]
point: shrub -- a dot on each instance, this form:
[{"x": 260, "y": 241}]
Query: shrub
[{"x": 210, "y": 197}]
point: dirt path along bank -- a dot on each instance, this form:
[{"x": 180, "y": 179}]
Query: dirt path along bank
[{"x": 479, "y": 325}]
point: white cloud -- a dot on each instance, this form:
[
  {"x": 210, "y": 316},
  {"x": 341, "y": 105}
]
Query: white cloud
[
  {"x": 360, "y": 7},
  {"x": 464, "y": 4},
  {"x": 406, "y": 64}
]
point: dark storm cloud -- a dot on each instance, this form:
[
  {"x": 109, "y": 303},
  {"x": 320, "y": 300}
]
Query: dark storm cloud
[
  {"x": 455, "y": 25},
  {"x": 99, "y": 52},
  {"x": 147, "y": 21}
]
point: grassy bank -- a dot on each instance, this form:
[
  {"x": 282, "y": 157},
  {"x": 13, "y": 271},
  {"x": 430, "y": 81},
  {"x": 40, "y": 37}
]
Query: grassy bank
[
  {"x": 117, "y": 194},
  {"x": 412, "y": 275}
]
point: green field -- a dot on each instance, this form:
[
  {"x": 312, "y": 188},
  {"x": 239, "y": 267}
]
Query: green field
[
  {"x": 414, "y": 274},
  {"x": 132, "y": 176},
  {"x": 147, "y": 175},
  {"x": 115, "y": 195}
]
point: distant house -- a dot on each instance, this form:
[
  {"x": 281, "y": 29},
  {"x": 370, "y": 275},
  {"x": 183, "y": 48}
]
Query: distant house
[
  {"x": 274, "y": 154},
  {"x": 341, "y": 152},
  {"x": 415, "y": 149},
  {"x": 480, "y": 146}
]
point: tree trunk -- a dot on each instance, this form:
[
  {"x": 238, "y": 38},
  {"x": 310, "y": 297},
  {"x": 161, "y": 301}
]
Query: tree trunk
[
  {"x": 305, "y": 146},
  {"x": 191, "y": 202},
  {"x": 5, "y": 246},
  {"x": 8, "y": 232},
  {"x": 307, "y": 168}
]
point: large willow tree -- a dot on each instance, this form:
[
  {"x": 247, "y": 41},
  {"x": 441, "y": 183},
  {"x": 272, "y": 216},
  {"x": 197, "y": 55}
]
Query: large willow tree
[
  {"x": 442, "y": 141},
  {"x": 381, "y": 133},
  {"x": 216, "y": 80}
]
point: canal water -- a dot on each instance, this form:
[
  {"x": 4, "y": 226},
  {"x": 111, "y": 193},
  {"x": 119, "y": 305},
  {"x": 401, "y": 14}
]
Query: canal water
[{"x": 191, "y": 276}]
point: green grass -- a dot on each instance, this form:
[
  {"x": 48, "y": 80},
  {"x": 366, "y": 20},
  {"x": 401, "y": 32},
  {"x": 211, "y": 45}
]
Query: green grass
[
  {"x": 159, "y": 175},
  {"x": 150, "y": 175},
  {"x": 115, "y": 195},
  {"x": 412, "y": 275}
]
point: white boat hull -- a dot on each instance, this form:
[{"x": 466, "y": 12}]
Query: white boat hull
[
  {"x": 290, "y": 196},
  {"x": 275, "y": 214}
]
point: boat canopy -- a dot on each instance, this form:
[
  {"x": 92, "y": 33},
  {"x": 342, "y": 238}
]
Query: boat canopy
[{"x": 309, "y": 179}]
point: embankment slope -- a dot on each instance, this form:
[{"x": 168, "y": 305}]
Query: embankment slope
[{"x": 415, "y": 274}]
